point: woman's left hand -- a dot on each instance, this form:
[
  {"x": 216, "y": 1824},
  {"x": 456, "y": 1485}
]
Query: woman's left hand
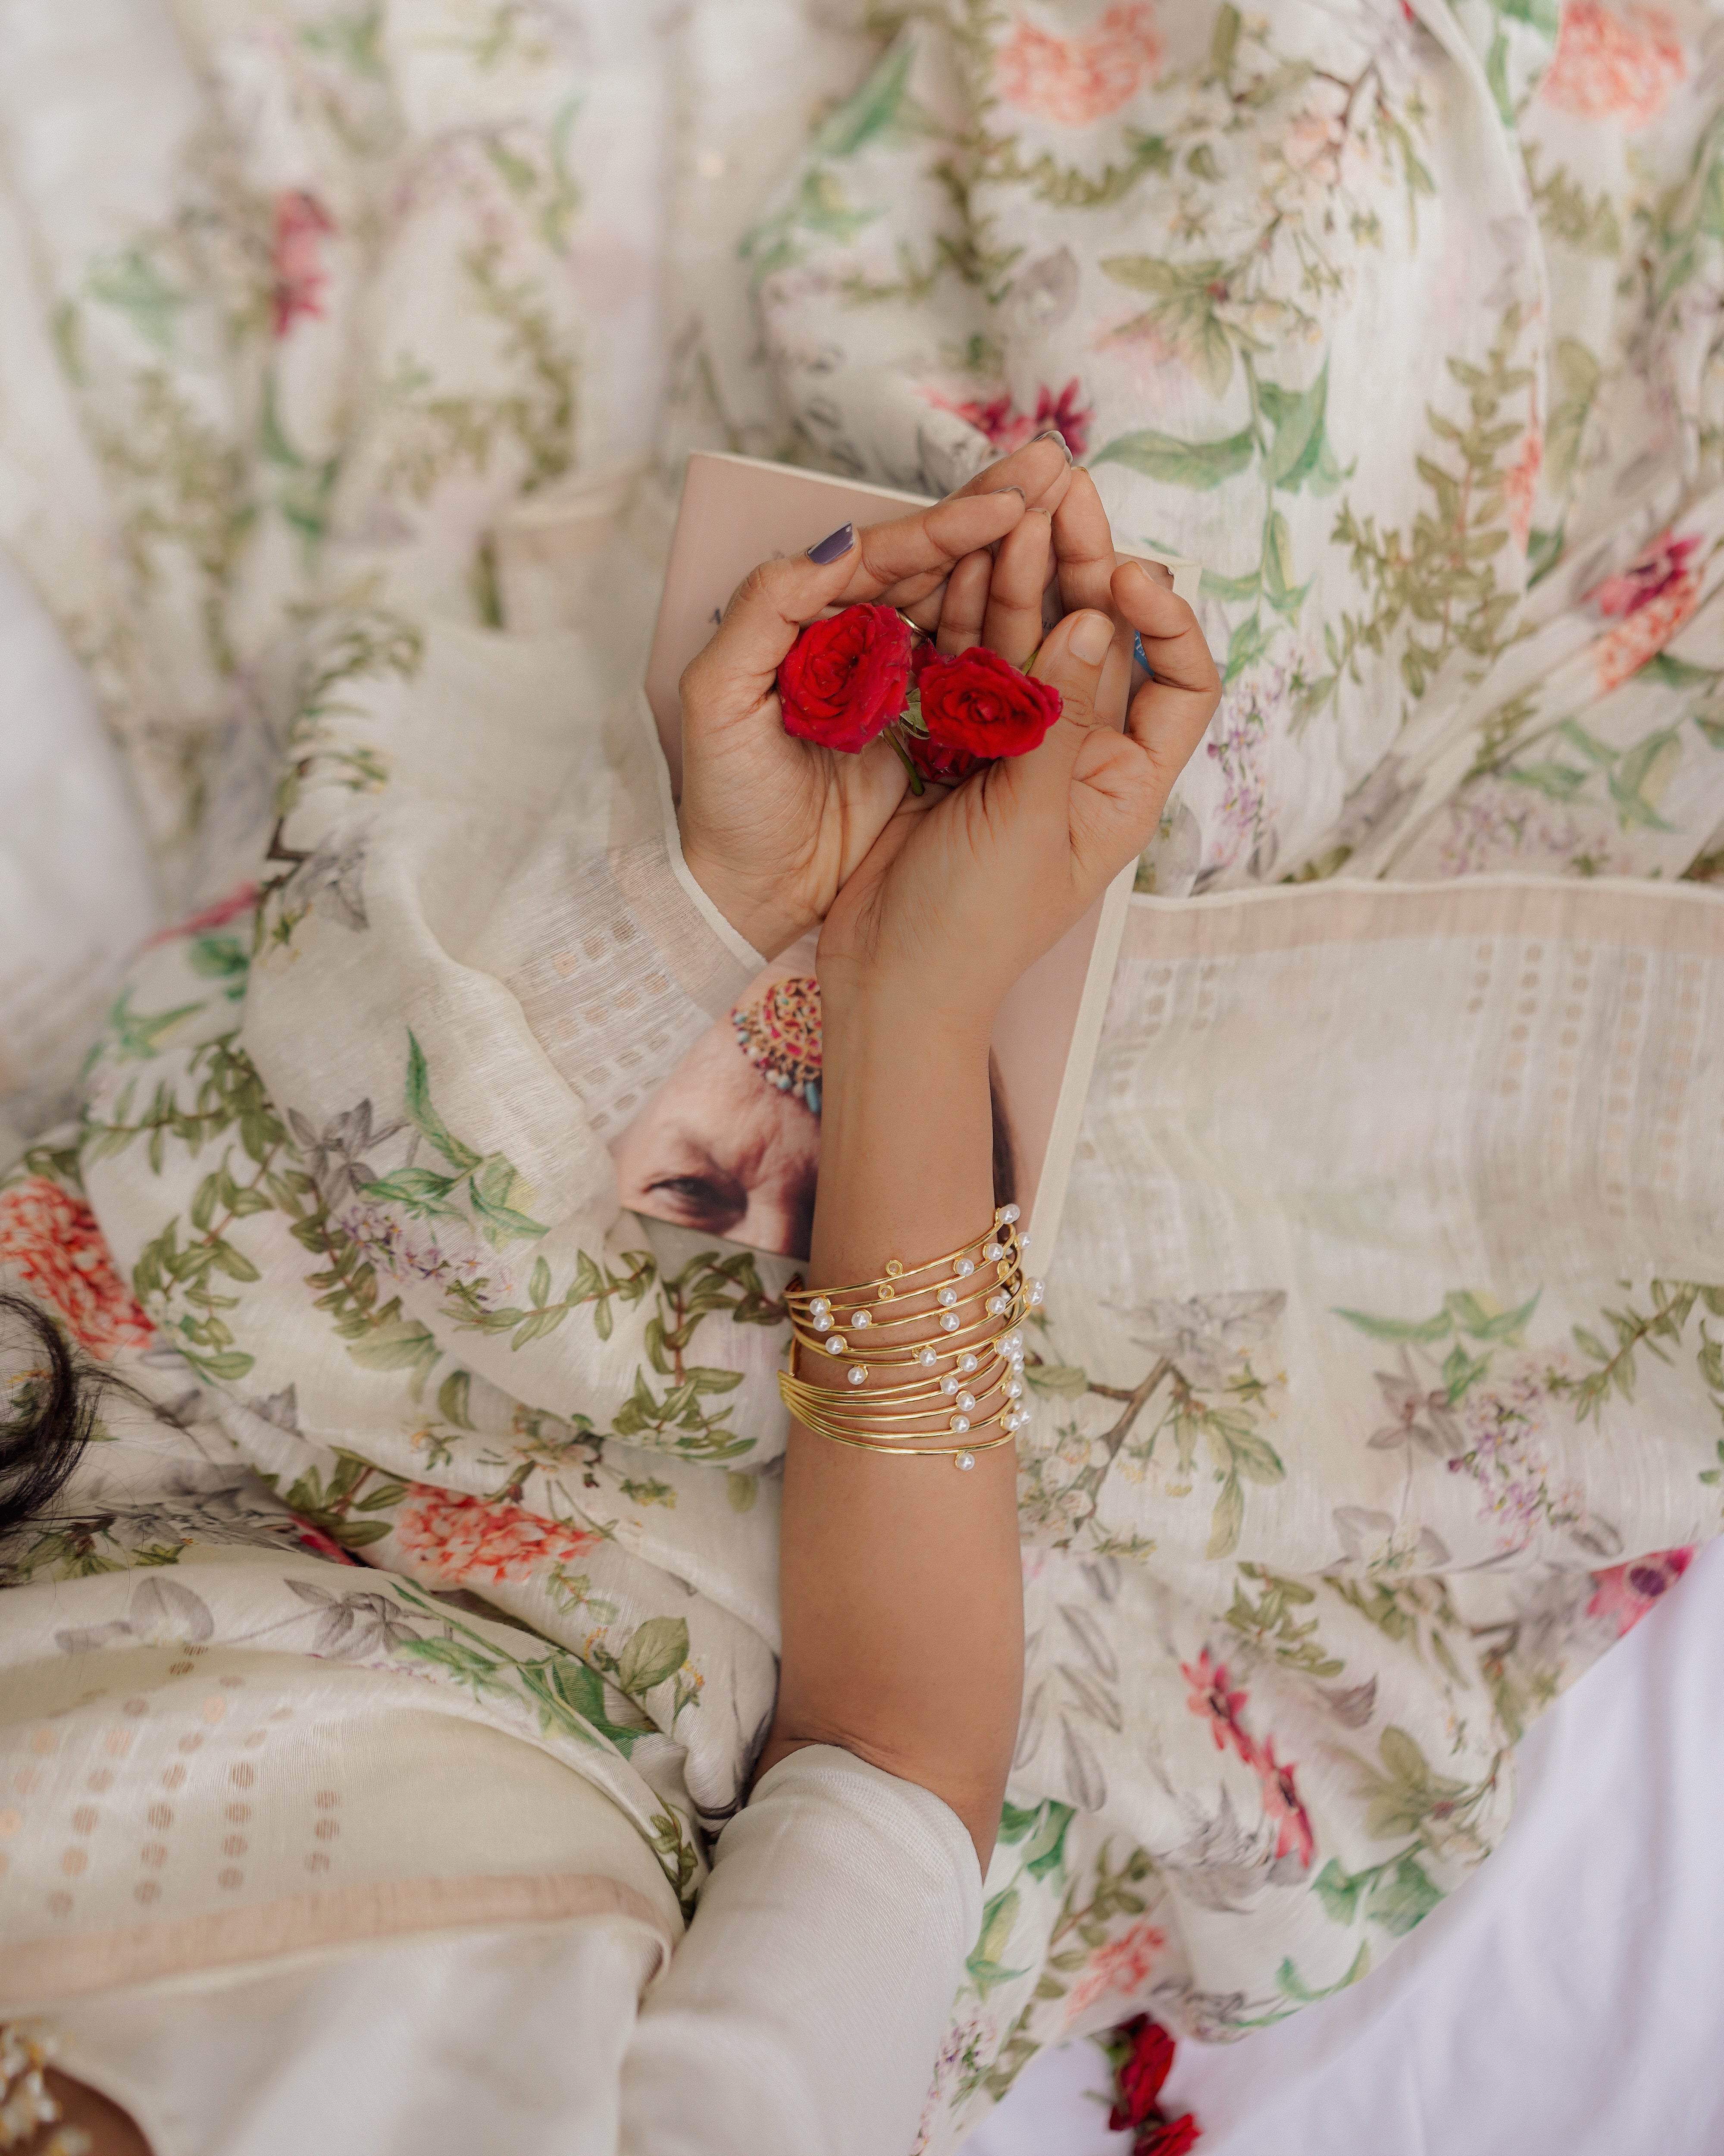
[{"x": 963, "y": 892}]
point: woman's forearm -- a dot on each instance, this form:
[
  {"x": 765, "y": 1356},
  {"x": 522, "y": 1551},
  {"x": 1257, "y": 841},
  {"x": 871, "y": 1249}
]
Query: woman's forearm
[{"x": 901, "y": 1589}]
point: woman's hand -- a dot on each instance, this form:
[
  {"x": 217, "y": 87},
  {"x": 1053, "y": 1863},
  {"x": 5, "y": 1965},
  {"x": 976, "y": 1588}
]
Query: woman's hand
[
  {"x": 962, "y": 892},
  {"x": 771, "y": 826}
]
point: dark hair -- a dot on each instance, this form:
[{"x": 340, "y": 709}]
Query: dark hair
[{"x": 53, "y": 1414}]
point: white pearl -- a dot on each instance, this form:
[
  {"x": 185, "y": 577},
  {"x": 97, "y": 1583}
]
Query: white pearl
[
  {"x": 819, "y": 1306},
  {"x": 926, "y": 1357},
  {"x": 964, "y": 1460},
  {"x": 991, "y": 1251},
  {"x": 1010, "y": 1340},
  {"x": 947, "y": 1297},
  {"x": 1014, "y": 1391},
  {"x": 1038, "y": 1291},
  {"x": 1024, "y": 1240},
  {"x": 967, "y": 1401},
  {"x": 861, "y": 1317},
  {"x": 859, "y": 1376},
  {"x": 960, "y": 1423},
  {"x": 1009, "y": 1213},
  {"x": 948, "y": 1385},
  {"x": 837, "y": 1344},
  {"x": 950, "y": 1321},
  {"x": 967, "y": 1363},
  {"x": 823, "y": 1323},
  {"x": 997, "y": 1305},
  {"x": 963, "y": 1267}
]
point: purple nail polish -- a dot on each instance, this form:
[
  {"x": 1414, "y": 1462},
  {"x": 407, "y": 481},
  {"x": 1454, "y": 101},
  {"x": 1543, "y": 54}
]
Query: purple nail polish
[
  {"x": 1053, "y": 435},
  {"x": 834, "y": 544}
]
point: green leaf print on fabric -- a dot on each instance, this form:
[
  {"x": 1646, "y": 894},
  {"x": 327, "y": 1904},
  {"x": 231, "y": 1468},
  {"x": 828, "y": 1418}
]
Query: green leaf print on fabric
[
  {"x": 496, "y": 1192},
  {"x": 1197, "y": 464}
]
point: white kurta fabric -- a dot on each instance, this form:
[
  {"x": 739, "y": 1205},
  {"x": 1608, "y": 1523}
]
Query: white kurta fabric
[{"x": 797, "y": 2018}]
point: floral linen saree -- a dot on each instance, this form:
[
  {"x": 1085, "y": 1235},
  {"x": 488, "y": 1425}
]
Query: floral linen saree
[{"x": 1380, "y": 1386}]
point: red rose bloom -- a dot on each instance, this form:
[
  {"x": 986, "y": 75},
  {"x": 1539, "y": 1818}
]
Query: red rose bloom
[
  {"x": 844, "y": 680},
  {"x": 1139, "y": 2075},
  {"x": 981, "y": 702},
  {"x": 945, "y": 765},
  {"x": 1171, "y": 2137}
]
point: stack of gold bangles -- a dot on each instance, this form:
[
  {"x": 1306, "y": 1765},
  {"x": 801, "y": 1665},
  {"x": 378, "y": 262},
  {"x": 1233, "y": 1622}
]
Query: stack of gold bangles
[{"x": 952, "y": 1324}]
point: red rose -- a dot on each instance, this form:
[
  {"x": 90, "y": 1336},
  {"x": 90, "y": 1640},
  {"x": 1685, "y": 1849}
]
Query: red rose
[
  {"x": 844, "y": 680},
  {"x": 1140, "y": 2073},
  {"x": 945, "y": 765},
  {"x": 981, "y": 702},
  {"x": 1171, "y": 2136}
]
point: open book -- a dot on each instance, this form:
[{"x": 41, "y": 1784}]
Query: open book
[{"x": 756, "y": 1082}]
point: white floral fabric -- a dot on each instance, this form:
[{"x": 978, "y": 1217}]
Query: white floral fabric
[{"x": 1380, "y": 1386}]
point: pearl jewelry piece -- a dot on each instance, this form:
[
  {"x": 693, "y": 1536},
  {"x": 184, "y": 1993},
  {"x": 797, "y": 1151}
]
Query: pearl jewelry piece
[
  {"x": 997, "y": 1305},
  {"x": 861, "y": 1317},
  {"x": 1014, "y": 1391},
  {"x": 992, "y": 1250},
  {"x": 819, "y": 1307},
  {"x": 960, "y": 1423},
  {"x": 1038, "y": 1294},
  {"x": 858, "y": 1374},
  {"x": 947, "y": 1297},
  {"x": 837, "y": 1344},
  {"x": 926, "y": 1357},
  {"x": 964, "y": 1461},
  {"x": 1023, "y": 1240},
  {"x": 967, "y": 1401},
  {"x": 948, "y": 1384},
  {"x": 967, "y": 1363},
  {"x": 1009, "y": 1213},
  {"x": 950, "y": 1321},
  {"x": 823, "y": 1321},
  {"x": 963, "y": 1267}
]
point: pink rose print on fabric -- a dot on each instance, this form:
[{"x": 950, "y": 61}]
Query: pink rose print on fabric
[
  {"x": 1008, "y": 428},
  {"x": 1627, "y": 1592},
  {"x": 302, "y": 225},
  {"x": 1652, "y": 600},
  {"x": 1610, "y": 63},
  {"x": 1117, "y": 1970},
  {"x": 53, "y": 1241},
  {"x": 450, "y": 1540},
  {"x": 1212, "y": 1695},
  {"x": 1075, "y": 81}
]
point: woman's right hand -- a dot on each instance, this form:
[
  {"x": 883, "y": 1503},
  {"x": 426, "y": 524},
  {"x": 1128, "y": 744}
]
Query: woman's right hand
[{"x": 771, "y": 826}]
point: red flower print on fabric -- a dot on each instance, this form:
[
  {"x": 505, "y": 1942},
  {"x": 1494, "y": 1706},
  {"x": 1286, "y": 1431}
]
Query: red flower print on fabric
[
  {"x": 1626, "y": 1592},
  {"x": 1007, "y": 428},
  {"x": 52, "y": 1239},
  {"x": 1614, "y": 63},
  {"x": 449, "y": 1540},
  {"x": 1076, "y": 81},
  {"x": 302, "y": 225},
  {"x": 208, "y": 918},
  {"x": 1211, "y": 1695},
  {"x": 1650, "y": 600},
  {"x": 1117, "y": 1970}
]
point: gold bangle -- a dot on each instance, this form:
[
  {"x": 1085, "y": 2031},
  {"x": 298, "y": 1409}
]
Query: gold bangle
[
  {"x": 26, "y": 2102},
  {"x": 982, "y": 1382}
]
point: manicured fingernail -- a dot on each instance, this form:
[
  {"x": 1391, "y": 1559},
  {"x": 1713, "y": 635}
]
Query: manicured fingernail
[
  {"x": 1018, "y": 491},
  {"x": 832, "y": 545},
  {"x": 1091, "y": 633},
  {"x": 1053, "y": 435}
]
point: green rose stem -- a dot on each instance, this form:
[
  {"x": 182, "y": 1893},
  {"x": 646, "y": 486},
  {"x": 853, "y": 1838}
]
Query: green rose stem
[{"x": 902, "y": 754}]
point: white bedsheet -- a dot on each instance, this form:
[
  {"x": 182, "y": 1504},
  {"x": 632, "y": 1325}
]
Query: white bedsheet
[{"x": 1565, "y": 2003}]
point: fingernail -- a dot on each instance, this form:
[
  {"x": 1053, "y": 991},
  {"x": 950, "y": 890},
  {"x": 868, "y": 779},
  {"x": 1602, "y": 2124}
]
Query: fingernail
[
  {"x": 1091, "y": 635},
  {"x": 1018, "y": 491},
  {"x": 1053, "y": 435},
  {"x": 832, "y": 545}
]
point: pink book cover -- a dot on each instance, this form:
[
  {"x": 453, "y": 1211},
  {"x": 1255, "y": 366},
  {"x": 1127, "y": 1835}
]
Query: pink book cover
[{"x": 729, "y": 1144}]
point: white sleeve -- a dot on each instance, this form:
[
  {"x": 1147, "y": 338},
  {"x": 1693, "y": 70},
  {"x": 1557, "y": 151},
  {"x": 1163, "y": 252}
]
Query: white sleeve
[{"x": 802, "y": 2014}]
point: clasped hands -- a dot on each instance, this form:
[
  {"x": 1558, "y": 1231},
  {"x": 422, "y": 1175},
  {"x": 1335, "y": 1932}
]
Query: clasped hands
[{"x": 949, "y": 896}]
